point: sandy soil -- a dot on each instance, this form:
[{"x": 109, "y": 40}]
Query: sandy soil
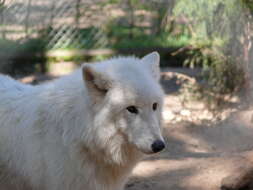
[{"x": 200, "y": 150}]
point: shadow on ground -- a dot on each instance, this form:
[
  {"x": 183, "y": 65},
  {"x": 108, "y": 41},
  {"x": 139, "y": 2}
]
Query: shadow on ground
[{"x": 161, "y": 180}]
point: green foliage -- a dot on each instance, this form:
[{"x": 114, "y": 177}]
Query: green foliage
[
  {"x": 221, "y": 74},
  {"x": 2, "y": 6},
  {"x": 248, "y": 4},
  {"x": 120, "y": 37},
  {"x": 208, "y": 19},
  {"x": 21, "y": 57},
  {"x": 208, "y": 28},
  {"x": 215, "y": 45},
  {"x": 112, "y": 2},
  {"x": 225, "y": 76}
]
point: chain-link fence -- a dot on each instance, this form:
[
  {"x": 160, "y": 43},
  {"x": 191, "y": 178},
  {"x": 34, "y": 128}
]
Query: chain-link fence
[
  {"x": 80, "y": 24},
  {"x": 63, "y": 24},
  {"x": 31, "y": 28}
]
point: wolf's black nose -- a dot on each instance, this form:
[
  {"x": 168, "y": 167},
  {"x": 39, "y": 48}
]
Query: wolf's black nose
[{"x": 157, "y": 146}]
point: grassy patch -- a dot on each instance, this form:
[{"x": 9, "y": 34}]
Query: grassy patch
[{"x": 125, "y": 37}]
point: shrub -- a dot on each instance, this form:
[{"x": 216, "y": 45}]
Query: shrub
[{"x": 221, "y": 77}]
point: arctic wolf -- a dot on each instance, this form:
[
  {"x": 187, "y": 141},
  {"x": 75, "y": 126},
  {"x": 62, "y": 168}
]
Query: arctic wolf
[{"x": 85, "y": 131}]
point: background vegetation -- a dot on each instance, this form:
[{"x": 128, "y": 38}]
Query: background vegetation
[{"x": 215, "y": 35}]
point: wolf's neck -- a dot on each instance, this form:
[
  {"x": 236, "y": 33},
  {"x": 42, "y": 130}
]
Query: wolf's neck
[
  {"x": 64, "y": 93},
  {"x": 63, "y": 104},
  {"x": 116, "y": 173}
]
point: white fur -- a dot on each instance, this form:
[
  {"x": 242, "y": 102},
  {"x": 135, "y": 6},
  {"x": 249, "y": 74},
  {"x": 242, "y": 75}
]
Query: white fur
[{"x": 75, "y": 133}]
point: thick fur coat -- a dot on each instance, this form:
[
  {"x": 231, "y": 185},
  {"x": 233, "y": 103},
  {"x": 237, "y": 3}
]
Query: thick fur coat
[{"x": 85, "y": 131}]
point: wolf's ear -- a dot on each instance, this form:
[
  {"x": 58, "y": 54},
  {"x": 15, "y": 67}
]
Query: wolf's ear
[
  {"x": 97, "y": 82},
  {"x": 152, "y": 61}
]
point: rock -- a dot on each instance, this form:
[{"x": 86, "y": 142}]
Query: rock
[
  {"x": 185, "y": 112},
  {"x": 168, "y": 115},
  {"x": 240, "y": 180}
]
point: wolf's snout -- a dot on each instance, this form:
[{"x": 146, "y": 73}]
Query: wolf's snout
[{"x": 157, "y": 146}]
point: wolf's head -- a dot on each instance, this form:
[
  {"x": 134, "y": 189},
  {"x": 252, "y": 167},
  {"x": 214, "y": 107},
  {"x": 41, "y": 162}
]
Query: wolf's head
[{"x": 127, "y": 102}]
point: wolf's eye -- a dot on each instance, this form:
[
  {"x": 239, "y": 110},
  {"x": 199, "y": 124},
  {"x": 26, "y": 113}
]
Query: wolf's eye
[
  {"x": 132, "y": 109},
  {"x": 154, "y": 106}
]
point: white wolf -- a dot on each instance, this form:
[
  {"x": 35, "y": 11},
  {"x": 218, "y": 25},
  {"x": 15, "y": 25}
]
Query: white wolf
[{"x": 85, "y": 131}]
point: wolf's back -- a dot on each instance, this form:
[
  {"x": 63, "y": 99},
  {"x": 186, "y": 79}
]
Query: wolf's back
[{"x": 11, "y": 87}]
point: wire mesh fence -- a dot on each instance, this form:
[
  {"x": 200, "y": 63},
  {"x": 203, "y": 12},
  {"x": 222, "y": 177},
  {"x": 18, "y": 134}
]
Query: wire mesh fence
[
  {"x": 30, "y": 29},
  {"x": 61, "y": 24}
]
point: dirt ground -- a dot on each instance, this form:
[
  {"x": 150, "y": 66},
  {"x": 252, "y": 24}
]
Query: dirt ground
[{"x": 200, "y": 150}]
